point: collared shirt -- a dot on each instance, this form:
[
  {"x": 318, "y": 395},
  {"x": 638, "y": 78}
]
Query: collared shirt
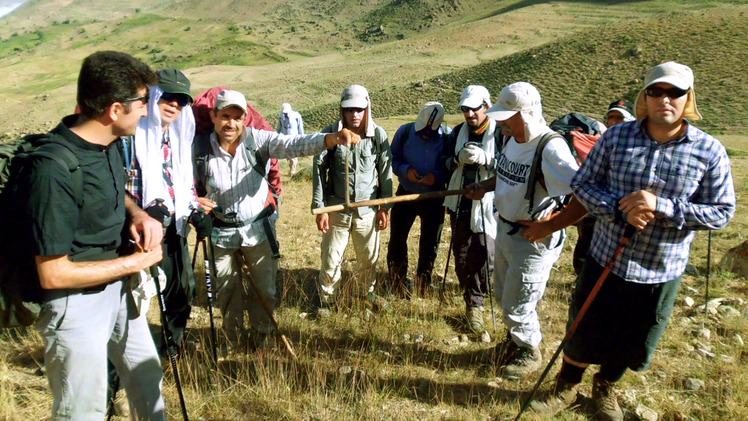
[
  {"x": 58, "y": 225},
  {"x": 241, "y": 191},
  {"x": 410, "y": 150},
  {"x": 689, "y": 175},
  {"x": 134, "y": 183},
  {"x": 370, "y": 173}
]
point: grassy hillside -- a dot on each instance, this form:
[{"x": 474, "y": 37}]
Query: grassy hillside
[
  {"x": 586, "y": 71},
  {"x": 306, "y": 52}
]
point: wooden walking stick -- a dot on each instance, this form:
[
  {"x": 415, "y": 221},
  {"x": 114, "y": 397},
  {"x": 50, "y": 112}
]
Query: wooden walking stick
[
  {"x": 627, "y": 234},
  {"x": 388, "y": 200}
]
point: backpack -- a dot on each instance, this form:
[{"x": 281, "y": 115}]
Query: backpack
[
  {"x": 579, "y": 131},
  {"x": 20, "y": 292}
]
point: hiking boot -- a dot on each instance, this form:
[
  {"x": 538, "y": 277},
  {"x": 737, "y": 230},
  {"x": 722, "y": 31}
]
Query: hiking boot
[
  {"x": 561, "y": 396},
  {"x": 526, "y": 361},
  {"x": 475, "y": 319},
  {"x": 606, "y": 404},
  {"x": 504, "y": 350}
]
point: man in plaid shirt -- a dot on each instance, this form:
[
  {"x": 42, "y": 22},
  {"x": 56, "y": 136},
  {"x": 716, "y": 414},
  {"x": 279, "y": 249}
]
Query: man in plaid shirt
[{"x": 666, "y": 178}]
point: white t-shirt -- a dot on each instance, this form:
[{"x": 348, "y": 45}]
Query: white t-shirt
[{"x": 513, "y": 172}]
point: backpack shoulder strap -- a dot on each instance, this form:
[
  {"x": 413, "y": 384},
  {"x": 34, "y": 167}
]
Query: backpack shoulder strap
[
  {"x": 255, "y": 159},
  {"x": 201, "y": 153},
  {"x": 536, "y": 170},
  {"x": 64, "y": 157}
]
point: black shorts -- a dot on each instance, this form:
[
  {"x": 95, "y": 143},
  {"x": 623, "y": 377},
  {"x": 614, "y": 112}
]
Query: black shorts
[{"x": 624, "y": 323}]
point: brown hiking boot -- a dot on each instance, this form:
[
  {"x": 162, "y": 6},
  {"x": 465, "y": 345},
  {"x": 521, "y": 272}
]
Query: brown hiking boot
[
  {"x": 561, "y": 396},
  {"x": 475, "y": 319},
  {"x": 526, "y": 361},
  {"x": 606, "y": 404}
]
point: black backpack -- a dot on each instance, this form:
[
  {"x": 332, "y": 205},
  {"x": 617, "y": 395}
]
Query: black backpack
[{"x": 20, "y": 292}]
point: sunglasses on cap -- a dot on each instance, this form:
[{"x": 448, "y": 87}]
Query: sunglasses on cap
[
  {"x": 145, "y": 98},
  {"x": 354, "y": 110},
  {"x": 465, "y": 108},
  {"x": 673, "y": 92},
  {"x": 181, "y": 99}
]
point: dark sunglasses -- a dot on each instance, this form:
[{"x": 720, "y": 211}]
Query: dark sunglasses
[
  {"x": 182, "y": 99},
  {"x": 465, "y": 109},
  {"x": 145, "y": 98},
  {"x": 354, "y": 110},
  {"x": 670, "y": 92}
]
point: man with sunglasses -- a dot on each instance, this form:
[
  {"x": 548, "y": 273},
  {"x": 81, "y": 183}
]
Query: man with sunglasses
[
  {"x": 159, "y": 164},
  {"x": 76, "y": 234},
  {"x": 470, "y": 150},
  {"x": 666, "y": 178},
  {"x": 369, "y": 177}
]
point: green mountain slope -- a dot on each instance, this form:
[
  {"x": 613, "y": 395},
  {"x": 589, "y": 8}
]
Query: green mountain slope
[
  {"x": 586, "y": 71},
  {"x": 580, "y": 53}
]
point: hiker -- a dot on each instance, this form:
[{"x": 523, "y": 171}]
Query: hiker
[
  {"x": 159, "y": 162},
  {"x": 231, "y": 165},
  {"x": 369, "y": 177},
  {"x": 471, "y": 147},
  {"x": 290, "y": 122},
  {"x": 619, "y": 112},
  {"x": 666, "y": 178},
  {"x": 82, "y": 264},
  {"x": 202, "y": 107},
  {"x": 530, "y": 236},
  {"x": 418, "y": 162}
]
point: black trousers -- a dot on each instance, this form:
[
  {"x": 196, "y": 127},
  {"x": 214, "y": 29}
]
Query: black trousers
[
  {"x": 180, "y": 287},
  {"x": 404, "y": 215},
  {"x": 473, "y": 254}
]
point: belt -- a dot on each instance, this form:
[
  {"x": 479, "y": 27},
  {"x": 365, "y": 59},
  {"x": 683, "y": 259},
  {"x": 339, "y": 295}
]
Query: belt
[
  {"x": 267, "y": 211},
  {"x": 515, "y": 225}
]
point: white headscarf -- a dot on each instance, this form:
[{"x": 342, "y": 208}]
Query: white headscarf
[{"x": 148, "y": 140}]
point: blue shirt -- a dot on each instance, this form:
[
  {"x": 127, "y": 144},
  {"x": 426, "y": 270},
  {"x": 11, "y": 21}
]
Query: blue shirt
[
  {"x": 689, "y": 175},
  {"x": 425, "y": 155}
]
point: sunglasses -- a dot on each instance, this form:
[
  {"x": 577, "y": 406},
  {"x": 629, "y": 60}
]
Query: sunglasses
[
  {"x": 145, "y": 98},
  {"x": 670, "y": 92},
  {"x": 354, "y": 110},
  {"x": 181, "y": 99},
  {"x": 465, "y": 109}
]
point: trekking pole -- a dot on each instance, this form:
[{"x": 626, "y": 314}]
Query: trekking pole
[
  {"x": 209, "y": 263},
  {"x": 194, "y": 255},
  {"x": 160, "y": 213},
  {"x": 627, "y": 234},
  {"x": 269, "y": 312},
  {"x": 449, "y": 252},
  {"x": 487, "y": 272},
  {"x": 708, "y": 274}
]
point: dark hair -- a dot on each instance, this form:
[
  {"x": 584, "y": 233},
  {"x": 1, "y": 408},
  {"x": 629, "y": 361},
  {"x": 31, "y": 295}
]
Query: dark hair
[{"x": 107, "y": 77}]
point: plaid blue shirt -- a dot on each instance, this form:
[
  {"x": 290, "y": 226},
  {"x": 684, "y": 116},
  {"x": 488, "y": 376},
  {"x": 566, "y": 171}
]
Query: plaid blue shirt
[{"x": 690, "y": 177}]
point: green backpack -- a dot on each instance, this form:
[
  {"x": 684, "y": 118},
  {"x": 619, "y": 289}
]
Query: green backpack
[{"x": 20, "y": 292}]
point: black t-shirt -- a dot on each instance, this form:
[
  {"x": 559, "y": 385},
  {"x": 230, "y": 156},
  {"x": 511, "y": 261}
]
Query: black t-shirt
[{"x": 58, "y": 225}]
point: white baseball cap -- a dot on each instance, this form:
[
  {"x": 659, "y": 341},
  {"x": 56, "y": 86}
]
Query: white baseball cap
[
  {"x": 354, "y": 96},
  {"x": 431, "y": 115},
  {"x": 519, "y": 96},
  {"x": 474, "y": 96},
  {"x": 229, "y": 98}
]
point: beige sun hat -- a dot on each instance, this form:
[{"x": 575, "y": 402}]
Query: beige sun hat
[{"x": 672, "y": 73}]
